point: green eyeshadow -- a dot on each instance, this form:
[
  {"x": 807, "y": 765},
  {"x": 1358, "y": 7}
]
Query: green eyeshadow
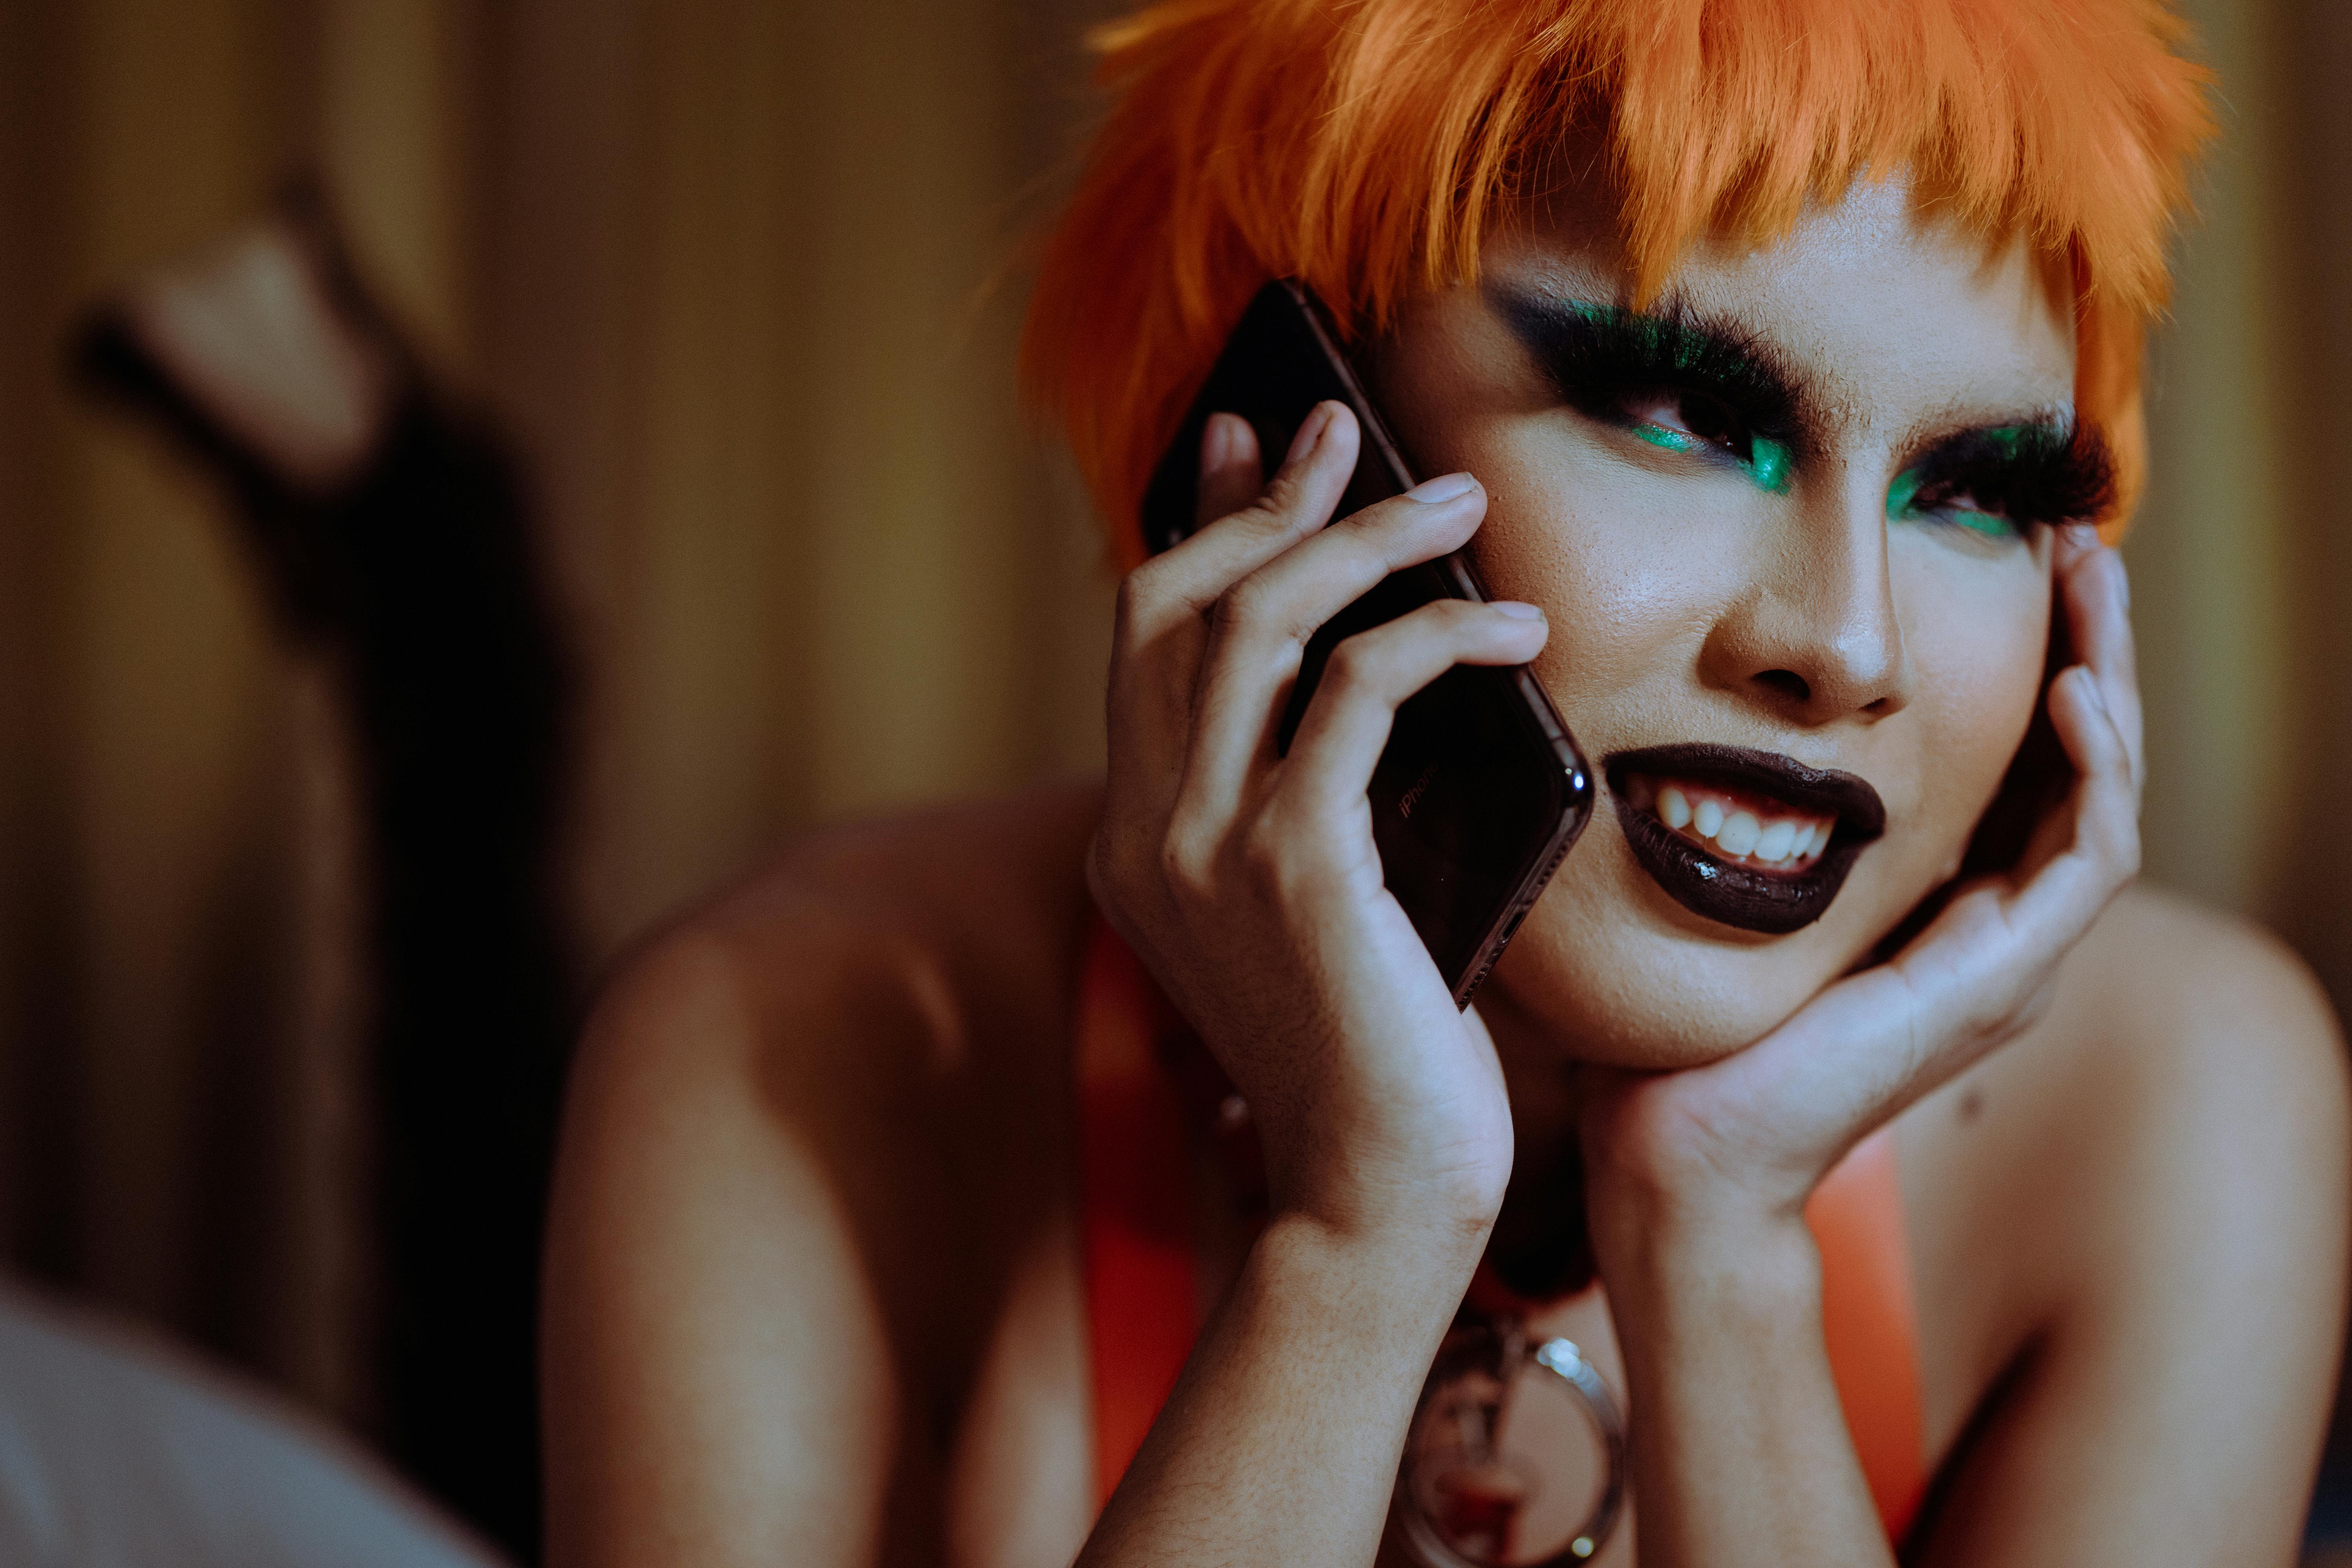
[
  {"x": 1905, "y": 489},
  {"x": 1768, "y": 462}
]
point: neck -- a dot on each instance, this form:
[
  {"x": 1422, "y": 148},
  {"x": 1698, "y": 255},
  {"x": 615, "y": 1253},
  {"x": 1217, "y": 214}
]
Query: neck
[
  {"x": 1539, "y": 1245},
  {"x": 1545, "y": 1100}
]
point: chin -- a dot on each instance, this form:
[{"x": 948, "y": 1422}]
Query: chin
[{"x": 1609, "y": 969}]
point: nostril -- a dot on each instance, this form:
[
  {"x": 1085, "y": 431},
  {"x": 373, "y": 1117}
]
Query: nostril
[{"x": 1787, "y": 683}]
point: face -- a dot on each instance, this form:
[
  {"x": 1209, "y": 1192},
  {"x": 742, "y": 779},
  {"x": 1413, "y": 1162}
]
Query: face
[{"x": 1791, "y": 525}]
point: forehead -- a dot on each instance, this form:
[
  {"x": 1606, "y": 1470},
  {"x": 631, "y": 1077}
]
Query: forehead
[{"x": 1890, "y": 316}]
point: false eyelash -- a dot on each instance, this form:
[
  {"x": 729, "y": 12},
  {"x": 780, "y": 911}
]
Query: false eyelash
[
  {"x": 2045, "y": 473},
  {"x": 1596, "y": 355}
]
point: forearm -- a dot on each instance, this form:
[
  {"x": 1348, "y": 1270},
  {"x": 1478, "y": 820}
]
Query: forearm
[
  {"x": 1281, "y": 1442},
  {"x": 1740, "y": 1451}
]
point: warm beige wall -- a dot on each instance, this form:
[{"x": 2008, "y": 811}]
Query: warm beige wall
[
  {"x": 821, "y": 567},
  {"x": 2210, "y": 551},
  {"x": 2312, "y": 173},
  {"x": 399, "y": 133}
]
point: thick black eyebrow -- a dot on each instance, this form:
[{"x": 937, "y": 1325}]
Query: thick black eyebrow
[
  {"x": 2043, "y": 468},
  {"x": 1595, "y": 354},
  {"x": 2051, "y": 469}
]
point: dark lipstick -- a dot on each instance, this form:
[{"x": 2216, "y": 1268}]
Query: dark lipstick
[{"x": 1771, "y": 902}]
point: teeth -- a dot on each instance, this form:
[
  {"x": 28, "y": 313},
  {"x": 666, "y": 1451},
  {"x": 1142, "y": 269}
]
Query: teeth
[
  {"x": 1740, "y": 832},
  {"x": 1733, "y": 830}
]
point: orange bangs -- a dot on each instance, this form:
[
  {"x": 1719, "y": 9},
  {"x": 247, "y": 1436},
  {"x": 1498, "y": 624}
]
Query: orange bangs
[{"x": 1365, "y": 146}]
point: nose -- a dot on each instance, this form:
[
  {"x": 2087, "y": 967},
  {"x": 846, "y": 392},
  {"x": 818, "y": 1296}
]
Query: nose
[{"x": 1814, "y": 634}]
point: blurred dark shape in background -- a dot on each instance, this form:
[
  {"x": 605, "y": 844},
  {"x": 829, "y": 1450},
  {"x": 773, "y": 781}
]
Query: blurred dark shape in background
[
  {"x": 414, "y": 575},
  {"x": 722, "y": 270}
]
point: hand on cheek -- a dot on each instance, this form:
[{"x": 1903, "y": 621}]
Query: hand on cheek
[
  {"x": 1747, "y": 1138},
  {"x": 1246, "y": 879}
]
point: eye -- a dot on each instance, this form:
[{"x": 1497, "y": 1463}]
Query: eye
[
  {"x": 1693, "y": 421},
  {"x": 1689, "y": 420},
  {"x": 1962, "y": 511},
  {"x": 1950, "y": 506}
]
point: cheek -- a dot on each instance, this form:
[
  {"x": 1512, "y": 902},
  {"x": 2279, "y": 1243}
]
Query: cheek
[
  {"x": 1977, "y": 633},
  {"x": 1591, "y": 541},
  {"x": 1629, "y": 564}
]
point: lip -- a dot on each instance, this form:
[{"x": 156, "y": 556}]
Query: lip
[{"x": 1735, "y": 895}]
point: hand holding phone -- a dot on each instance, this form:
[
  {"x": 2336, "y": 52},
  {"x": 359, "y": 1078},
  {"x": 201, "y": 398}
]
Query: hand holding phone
[
  {"x": 1481, "y": 790},
  {"x": 1246, "y": 878}
]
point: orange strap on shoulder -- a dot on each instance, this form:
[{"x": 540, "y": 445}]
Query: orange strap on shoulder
[
  {"x": 1871, "y": 1324},
  {"x": 1142, "y": 1287}
]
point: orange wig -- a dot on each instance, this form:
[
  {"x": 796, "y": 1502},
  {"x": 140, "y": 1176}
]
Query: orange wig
[{"x": 1365, "y": 146}]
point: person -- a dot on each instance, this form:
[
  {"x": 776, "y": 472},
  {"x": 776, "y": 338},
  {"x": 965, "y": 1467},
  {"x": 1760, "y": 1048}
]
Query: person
[
  {"x": 1841, "y": 1118},
  {"x": 390, "y": 531}
]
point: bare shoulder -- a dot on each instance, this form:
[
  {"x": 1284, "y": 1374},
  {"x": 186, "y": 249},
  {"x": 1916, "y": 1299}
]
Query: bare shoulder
[
  {"x": 2213, "y": 1052},
  {"x": 2206, "y": 1008},
  {"x": 811, "y": 1128},
  {"x": 965, "y": 882},
  {"x": 2173, "y": 1024},
  {"x": 868, "y": 1040},
  {"x": 874, "y": 975},
  {"x": 2187, "y": 1079},
  {"x": 2129, "y": 1229},
  {"x": 2174, "y": 1130},
  {"x": 857, "y": 930}
]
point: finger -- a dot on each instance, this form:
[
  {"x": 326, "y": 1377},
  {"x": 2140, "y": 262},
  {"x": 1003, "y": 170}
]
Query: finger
[
  {"x": 1977, "y": 962},
  {"x": 2096, "y": 594},
  {"x": 1262, "y": 625},
  {"x": 1159, "y": 634},
  {"x": 1184, "y": 582},
  {"x": 2106, "y": 798},
  {"x": 1371, "y": 674},
  {"x": 1230, "y": 474},
  {"x": 1876, "y": 1041},
  {"x": 2087, "y": 845},
  {"x": 2098, "y": 597},
  {"x": 1970, "y": 972}
]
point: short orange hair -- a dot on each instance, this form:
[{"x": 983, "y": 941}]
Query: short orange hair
[{"x": 1365, "y": 146}]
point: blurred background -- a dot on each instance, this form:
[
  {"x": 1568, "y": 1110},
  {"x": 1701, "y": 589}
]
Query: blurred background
[{"x": 739, "y": 280}]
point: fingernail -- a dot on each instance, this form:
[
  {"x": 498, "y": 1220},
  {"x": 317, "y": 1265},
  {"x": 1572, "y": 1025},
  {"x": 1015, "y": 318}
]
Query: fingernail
[
  {"x": 1518, "y": 609},
  {"x": 1444, "y": 487},
  {"x": 1217, "y": 443},
  {"x": 2081, "y": 536},
  {"x": 2091, "y": 687},
  {"x": 2123, "y": 579},
  {"x": 1310, "y": 431}
]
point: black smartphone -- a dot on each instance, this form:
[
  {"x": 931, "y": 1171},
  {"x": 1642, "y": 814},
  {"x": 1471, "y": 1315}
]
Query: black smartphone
[{"x": 1482, "y": 790}]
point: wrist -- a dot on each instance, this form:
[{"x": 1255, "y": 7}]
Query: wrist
[
  {"x": 1671, "y": 1250},
  {"x": 1388, "y": 1277},
  {"x": 1337, "y": 1179},
  {"x": 1685, "y": 1190}
]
